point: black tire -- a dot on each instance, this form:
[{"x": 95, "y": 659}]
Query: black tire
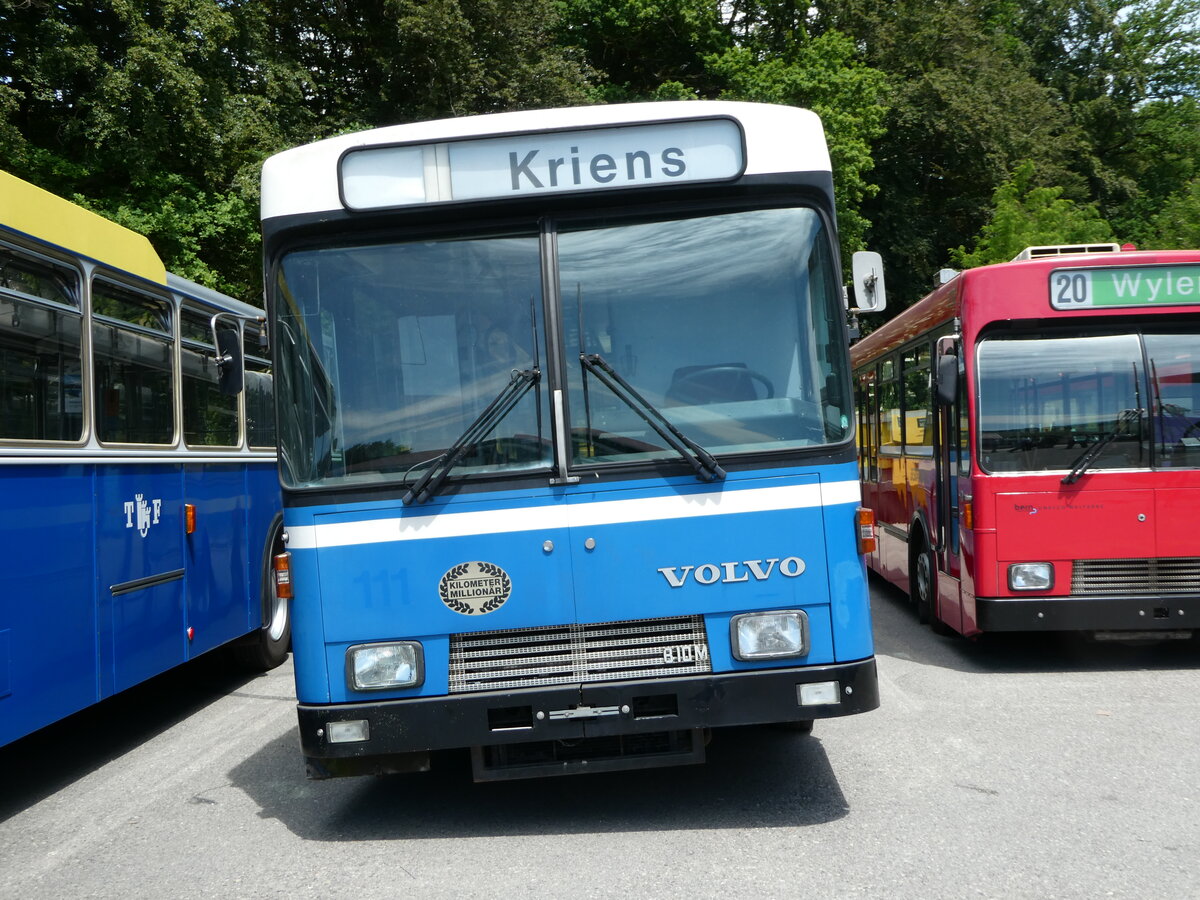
[
  {"x": 269, "y": 646},
  {"x": 922, "y": 581},
  {"x": 802, "y": 726},
  {"x": 924, "y": 588}
]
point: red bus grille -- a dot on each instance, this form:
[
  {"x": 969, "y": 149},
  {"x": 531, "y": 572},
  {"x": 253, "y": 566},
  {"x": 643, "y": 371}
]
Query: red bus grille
[
  {"x": 578, "y": 654},
  {"x": 1172, "y": 575}
]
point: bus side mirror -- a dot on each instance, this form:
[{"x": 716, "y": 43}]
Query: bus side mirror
[
  {"x": 867, "y": 276},
  {"x": 230, "y": 363},
  {"x": 947, "y": 380}
]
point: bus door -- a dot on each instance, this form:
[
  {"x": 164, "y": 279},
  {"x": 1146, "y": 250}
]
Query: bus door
[
  {"x": 219, "y": 571},
  {"x": 950, "y": 478},
  {"x": 140, "y": 569}
]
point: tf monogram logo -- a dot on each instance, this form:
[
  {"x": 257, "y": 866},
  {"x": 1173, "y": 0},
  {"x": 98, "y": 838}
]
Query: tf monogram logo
[{"x": 147, "y": 513}]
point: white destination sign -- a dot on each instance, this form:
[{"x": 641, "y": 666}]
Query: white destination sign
[{"x": 523, "y": 165}]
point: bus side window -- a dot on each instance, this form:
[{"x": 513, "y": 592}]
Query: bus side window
[
  {"x": 918, "y": 401},
  {"x": 209, "y": 416},
  {"x": 868, "y": 426},
  {"x": 259, "y": 393},
  {"x": 40, "y": 350},
  {"x": 132, "y": 351},
  {"x": 891, "y": 423}
]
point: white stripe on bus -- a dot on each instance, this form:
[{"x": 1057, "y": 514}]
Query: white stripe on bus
[{"x": 570, "y": 515}]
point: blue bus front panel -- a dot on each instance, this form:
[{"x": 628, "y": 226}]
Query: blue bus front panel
[
  {"x": 622, "y": 560},
  {"x": 643, "y": 554},
  {"x": 380, "y": 573}
]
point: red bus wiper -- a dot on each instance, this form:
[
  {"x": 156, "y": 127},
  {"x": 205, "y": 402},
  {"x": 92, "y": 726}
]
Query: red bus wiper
[
  {"x": 707, "y": 468},
  {"x": 1089, "y": 455}
]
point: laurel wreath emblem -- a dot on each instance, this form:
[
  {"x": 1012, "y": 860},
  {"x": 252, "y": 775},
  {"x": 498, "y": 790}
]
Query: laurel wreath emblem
[{"x": 495, "y": 597}]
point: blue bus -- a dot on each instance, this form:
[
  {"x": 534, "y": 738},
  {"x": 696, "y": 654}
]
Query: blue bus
[
  {"x": 566, "y": 437},
  {"x": 139, "y": 496}
]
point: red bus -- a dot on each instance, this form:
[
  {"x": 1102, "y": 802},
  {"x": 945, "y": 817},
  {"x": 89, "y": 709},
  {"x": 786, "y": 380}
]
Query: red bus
[{"x": 1030, "y": 442}]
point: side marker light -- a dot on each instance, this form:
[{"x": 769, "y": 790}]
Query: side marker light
[
  {"x": 865, "y": 520},
  {"x": 282, "y": 564}
]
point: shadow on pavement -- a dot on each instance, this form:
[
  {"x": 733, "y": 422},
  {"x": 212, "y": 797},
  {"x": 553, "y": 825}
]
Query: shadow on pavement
[
  {"x": 898, "y": 634},
  {"x": 37, "y": 766},
  {"x": 754, "y": 777}
]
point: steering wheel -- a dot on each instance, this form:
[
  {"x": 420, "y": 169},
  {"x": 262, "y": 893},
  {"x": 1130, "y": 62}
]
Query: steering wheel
[{"x": 712, "y": 384}]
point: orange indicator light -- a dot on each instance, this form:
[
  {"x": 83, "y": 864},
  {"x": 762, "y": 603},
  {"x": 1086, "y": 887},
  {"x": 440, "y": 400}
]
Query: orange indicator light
[
  {"x": 189, "y": 517},
  {"x": 282, "y": 563},
  {"x": 865, "y": 519}
]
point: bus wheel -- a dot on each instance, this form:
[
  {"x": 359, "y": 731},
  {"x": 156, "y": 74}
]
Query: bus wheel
[
  {"x": 921, "y": 570},
  {"x": 268, "y": 647},
  {"x": 924, "y": 585}
]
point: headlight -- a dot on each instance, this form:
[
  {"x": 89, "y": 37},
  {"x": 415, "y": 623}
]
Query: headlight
[
  {"x": 1031, "y": 577},
  {"x": 377, "y": 667},
  {"x": 769, "y": 635}
]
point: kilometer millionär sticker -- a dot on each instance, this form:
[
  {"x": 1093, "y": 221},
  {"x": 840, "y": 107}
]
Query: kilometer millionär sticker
[{"x": 475, "y": 588}]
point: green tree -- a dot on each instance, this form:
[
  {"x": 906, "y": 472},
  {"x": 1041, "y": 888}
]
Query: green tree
[
  {"x": 1177, "y": 224},
  {"x": 964, "y": 108},
  {"x": 1129, "y": 74},
  {"x": 758, "y": 50},
  {"x": 646, "y": 49},
  {"x": 1025, "y": 216},
  {"x": 159, "y": 114},
  {"x": 155, "y": 114},
  {"x": 820, "y": 73}
]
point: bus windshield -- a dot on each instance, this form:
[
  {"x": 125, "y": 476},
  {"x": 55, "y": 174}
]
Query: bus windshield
[
  {"x": 1133, "y": 399},
  {"x": 728, "y": 325}
]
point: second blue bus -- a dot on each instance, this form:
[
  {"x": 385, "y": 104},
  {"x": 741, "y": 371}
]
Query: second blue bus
[{"x": 139, "y": 500}]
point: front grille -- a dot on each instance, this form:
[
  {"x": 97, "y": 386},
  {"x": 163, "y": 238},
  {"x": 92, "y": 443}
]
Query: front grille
[
  {"x": 1175, "y": 575},
  {"x": 578, "y": 654}
]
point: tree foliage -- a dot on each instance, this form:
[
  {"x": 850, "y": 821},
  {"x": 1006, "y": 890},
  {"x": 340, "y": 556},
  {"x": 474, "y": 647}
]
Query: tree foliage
[
  {"x": 951, "y": 123},
  {"x": 1024, "y": 215}
]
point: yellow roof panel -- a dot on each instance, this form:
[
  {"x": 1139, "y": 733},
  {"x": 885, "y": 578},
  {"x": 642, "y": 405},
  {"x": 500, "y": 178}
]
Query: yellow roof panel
[{"x": 40, "y": 214}]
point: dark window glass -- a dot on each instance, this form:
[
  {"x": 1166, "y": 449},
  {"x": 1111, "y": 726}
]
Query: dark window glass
[
  {"x": 132, "y": 352},
  {"x": 1175, "y": 386},
  {"x": 40, "y": 350},
  {"x": 918, "y": 401},
  {"x": 209, "y": 417},
  {"x": 1044, "y": 401}
]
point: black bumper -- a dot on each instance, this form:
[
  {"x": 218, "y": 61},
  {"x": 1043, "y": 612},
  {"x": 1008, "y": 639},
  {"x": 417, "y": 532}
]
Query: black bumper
[
  {"x": 574, "y": 712},
  {"x": 1146, "y": 613}
]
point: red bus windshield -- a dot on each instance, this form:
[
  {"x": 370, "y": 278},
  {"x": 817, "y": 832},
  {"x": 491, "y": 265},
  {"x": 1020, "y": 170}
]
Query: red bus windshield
[{"x": 1045, "y": 400}]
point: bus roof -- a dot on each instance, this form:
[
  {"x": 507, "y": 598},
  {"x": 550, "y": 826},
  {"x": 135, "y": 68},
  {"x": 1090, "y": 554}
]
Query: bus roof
[
  {"x": 40, "y": 214},
  {"x": 776, "y": 139},
  {"x": 194, "y": 289},
  {"x": 1019, "y": 289}
]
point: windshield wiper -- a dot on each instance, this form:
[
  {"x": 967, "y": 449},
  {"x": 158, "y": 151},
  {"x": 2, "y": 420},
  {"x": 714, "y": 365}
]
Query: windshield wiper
[
  {"x": 707, "y": 468},
  {"x": 1088, "y": 456},
  {"x": 520, "y": 381}
]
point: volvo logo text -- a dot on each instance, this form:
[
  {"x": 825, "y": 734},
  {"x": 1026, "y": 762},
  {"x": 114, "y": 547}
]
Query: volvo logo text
[{"x": 733, "y": 572}]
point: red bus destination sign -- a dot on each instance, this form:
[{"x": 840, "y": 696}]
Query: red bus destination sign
[{"x": 1116, "y": 286}]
